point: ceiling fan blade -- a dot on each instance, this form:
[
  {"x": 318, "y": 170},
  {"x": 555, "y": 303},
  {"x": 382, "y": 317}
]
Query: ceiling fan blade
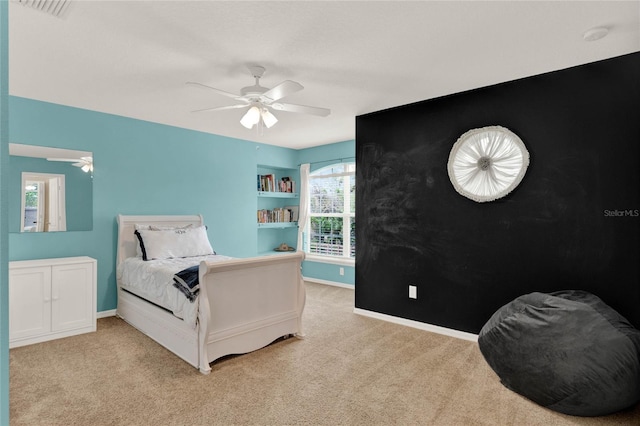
[
  {"x": 68, "y": 160},
  {"x": 283, "y": 89},
  {"x": 322, "y": 112},
  {"x": 218, "y": 91},
  {"x": 79, "y": 164},
  {"x": 222, "y": 108}
]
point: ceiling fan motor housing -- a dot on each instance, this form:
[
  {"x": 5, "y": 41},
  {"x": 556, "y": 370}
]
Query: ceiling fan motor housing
[{"x": 253, "y": 91}]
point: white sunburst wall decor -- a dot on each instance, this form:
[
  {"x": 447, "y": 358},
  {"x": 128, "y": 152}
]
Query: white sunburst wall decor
[{"x": 487, "y": 163}]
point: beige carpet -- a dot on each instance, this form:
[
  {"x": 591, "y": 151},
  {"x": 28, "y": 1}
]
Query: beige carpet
[{"x": 350, "y": 370}]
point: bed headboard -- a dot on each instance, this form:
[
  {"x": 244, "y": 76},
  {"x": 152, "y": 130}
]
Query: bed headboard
[{"x": 127, "y": 241}]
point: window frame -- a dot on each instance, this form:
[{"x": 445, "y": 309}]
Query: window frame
[{"x": 347, "y": 216}]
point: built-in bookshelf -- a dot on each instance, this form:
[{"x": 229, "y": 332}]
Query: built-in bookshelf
[{"x": 277, "y": 207}]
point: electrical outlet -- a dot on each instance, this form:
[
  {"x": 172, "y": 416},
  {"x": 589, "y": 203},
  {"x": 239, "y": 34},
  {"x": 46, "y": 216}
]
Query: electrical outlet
[
  {"x": 413, "y": 292},
  {"x": 341, "y": 271}
]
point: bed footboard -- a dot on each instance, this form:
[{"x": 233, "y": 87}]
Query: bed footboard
[{"x": 245, "y": 304}]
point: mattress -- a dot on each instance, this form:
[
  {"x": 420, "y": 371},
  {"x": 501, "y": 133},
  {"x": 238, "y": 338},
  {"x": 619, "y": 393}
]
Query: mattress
[{"x": 153, "y": 281}]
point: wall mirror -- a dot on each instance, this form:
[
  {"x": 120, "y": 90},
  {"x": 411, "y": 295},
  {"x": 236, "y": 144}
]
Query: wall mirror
[{"x": 51, "y": 189}]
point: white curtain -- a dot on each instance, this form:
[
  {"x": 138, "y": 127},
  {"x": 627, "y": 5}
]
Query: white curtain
[{"x": 303, "y": 211}]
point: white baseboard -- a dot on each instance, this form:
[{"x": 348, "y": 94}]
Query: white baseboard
[
  {"x": 325, "y": 282},
  {"x": 104, "y": 314},
  {"x": 417, "y": 324}
]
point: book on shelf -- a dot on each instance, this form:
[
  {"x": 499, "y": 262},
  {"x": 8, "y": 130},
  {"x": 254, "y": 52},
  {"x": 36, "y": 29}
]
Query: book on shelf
[
  {"x": 278, "y": 215},
  {"x": 269, "y": 183},
  {"x": 287, "y": 184},
  {"x": 294, "y": 212}
]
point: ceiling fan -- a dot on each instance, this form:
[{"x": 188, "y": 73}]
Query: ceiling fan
[
  {"x": 85, "y": 163},
  {"x": 261, "y": 100}
]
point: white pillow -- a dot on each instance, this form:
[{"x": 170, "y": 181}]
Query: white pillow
[
  {"x": 167, "y": 227},
  {"x": 143, "y": 226},
  {"x": 147, "y": 227},
  {"x": 167, "y": 244}
]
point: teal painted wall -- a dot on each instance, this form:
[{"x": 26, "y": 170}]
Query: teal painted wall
[
  {"x": 325, "y": 155},
  {"x": 329, "y": 272},
  {"x": 318, "y": 157},
  {"x": 144, "y": 168},
  {"x": 4, "y": 161}
]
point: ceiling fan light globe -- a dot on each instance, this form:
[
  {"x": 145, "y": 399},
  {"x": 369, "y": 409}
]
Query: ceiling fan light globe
[
  {"x": 268, "y": 119},
  {"x": 246, "y": 124},
  {"x": 86, "y": 168},
  {"x": 251, "y": 118}
]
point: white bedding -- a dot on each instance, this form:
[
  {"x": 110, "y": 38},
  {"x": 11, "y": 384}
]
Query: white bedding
[{"x": 153, "y": 281}]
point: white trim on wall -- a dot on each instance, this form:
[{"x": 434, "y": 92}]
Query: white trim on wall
[
  {"x": 419, "y": 325},
  {"x": 326, "y": 282},
  {"x": 105, "y": 314}
]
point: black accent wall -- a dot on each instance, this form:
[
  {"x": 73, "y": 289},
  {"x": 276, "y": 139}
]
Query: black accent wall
[{"x": 572, "y": 223}]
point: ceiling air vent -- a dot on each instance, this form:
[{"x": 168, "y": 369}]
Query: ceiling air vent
[{"x": 52, "y": 7}]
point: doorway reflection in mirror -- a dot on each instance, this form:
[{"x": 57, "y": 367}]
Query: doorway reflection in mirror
[{"x": 43, "y": 202}]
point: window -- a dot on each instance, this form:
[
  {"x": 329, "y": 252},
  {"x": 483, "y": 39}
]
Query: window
[{"x": 332, "y": 211}]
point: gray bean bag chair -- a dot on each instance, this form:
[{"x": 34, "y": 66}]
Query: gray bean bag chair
[{"x": 567, "y": 351}]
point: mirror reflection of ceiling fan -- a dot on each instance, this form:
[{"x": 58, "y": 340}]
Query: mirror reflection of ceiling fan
[
  {"x": 261, "y": 100},
  {"x": 85, "y": 163}
]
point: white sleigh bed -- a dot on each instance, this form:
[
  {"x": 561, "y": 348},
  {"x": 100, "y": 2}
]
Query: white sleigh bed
[{"x": 244, "y": 304}]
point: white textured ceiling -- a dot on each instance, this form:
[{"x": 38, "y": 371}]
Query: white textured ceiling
[{"x": 132, "y": 58}]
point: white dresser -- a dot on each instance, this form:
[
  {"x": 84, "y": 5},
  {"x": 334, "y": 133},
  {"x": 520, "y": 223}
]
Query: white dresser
[{"x": 51, "y": 298}]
